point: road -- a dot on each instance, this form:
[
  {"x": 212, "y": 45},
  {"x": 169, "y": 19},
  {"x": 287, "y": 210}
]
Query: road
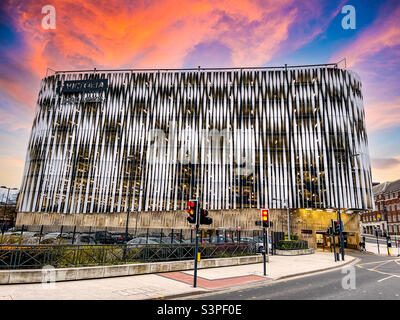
[
  {"x": 376, "y": 277},
  {"x": 382, "y": 241}
]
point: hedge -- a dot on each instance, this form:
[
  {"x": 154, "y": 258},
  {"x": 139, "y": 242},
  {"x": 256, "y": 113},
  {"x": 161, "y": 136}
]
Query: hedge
[{"x": 292, "y": 245}]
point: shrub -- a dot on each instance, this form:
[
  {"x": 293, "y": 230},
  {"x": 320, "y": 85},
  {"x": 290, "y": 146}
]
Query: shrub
[
  {"x": 292, "y": 245},
  {"x": 292, "y": 237}
]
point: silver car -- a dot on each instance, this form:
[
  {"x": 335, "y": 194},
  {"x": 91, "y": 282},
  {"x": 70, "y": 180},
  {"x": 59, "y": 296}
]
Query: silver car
[{"x": 140, "y": 242}]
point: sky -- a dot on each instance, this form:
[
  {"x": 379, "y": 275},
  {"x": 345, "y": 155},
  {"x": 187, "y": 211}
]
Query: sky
[{"x": 208, "y": 33}]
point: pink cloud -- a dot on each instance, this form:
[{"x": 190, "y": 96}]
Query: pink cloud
[
  {"x": 383, "y": 115},
  {"x": 375, "y": 56}
]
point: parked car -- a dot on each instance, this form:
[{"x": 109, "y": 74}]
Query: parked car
[
  {"x": 259, "y": 241},
  {"x": 167, "y": 240},
  {"x": 176, "y": 235},
  {"x": 104, "y": 237},
  {"x": 84, "y": 239},
  {"x": 49, "y": 238},
  {"x": 188, "y": 241},
  {"x": 158, "y": 235},
  {"x": 140, "y": 242},
  {"x": 121, "y": 238},
  {"x": 219, "y": 239}
]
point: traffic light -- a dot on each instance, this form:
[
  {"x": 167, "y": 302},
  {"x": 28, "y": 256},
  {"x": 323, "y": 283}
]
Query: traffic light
[
  {"x": 192, "y": 211},
  {"x": 337, "y": 227},
  {"x": 264, "y": 218},
  {"x": 204, "y": 219}
]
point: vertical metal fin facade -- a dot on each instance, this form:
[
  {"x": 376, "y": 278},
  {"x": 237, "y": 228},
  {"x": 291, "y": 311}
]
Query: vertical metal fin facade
[{"x": 280, "y": 133}]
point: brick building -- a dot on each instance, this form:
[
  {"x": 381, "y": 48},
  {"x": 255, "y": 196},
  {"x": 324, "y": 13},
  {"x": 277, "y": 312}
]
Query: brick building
[{"x": 386, "y": 215}]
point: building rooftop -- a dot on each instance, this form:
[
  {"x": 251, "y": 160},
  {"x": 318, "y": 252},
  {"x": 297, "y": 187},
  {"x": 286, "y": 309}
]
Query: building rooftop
[
  {"x": 199, "y": 68},
  {"x": 386, "y": 187}
]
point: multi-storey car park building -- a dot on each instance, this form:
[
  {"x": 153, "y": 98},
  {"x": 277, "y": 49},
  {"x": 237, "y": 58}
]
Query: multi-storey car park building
[{"x": 238, "y": 139}]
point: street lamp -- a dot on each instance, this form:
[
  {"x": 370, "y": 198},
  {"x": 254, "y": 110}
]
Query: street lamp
[
  {"x": 339, "y": 162},
  {"x": 288, "y": 214}
]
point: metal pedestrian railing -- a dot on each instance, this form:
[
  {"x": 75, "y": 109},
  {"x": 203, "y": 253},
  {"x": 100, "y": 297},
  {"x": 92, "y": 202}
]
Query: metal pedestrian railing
[{"x": 64, "y": 256}]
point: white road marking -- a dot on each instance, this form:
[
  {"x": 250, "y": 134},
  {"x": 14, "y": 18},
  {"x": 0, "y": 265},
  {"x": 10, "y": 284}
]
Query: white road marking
[{"x": 385, "y": 278}]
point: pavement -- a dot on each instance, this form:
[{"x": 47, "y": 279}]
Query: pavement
[
  {"x": 372, "y": 247},
  {"x": 174, "y": 285},
  {"x": 370, "y": 277}
]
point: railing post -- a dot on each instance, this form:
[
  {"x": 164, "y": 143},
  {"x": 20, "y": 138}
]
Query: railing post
[
  {"x": 22, "y": 234},
  {"x": 61, "y": 233},
  {"x": 172, "y": 236},
  {"x": 14, "y": 259},
  {"x": 2, "y": 232},
  {"x": 147, "y": 236},
  {"x": 73, "y": 235},
  {"x": 40, "y": 234}
]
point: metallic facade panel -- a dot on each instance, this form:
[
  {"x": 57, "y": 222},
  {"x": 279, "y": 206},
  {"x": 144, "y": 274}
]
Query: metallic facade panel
[{"x": 248, "y": 135}]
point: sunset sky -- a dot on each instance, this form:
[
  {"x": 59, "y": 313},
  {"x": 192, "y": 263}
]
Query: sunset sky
[{"x": 207, "y": 33}]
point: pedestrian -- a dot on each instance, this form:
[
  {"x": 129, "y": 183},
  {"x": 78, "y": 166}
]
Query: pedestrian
[{"x": 362, "y": 244}]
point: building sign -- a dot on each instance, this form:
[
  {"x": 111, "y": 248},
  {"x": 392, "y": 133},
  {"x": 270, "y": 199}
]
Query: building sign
[{"x": 79, "y": 86}]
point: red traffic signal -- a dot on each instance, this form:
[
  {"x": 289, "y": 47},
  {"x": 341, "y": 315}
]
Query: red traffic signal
[
  {"x": 337, "y": 226},
  {"x": 192, "y": 211},
  {"x": 264, "y": 217},
  {"x": 203, "y": 217}
]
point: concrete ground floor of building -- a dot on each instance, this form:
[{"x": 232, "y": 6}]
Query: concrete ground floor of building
[{"x": 306, "y": 224}]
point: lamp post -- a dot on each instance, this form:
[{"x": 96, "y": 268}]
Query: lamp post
[
  {"x": 137, "y": 212},
  {"x": 288, "y": 214}
]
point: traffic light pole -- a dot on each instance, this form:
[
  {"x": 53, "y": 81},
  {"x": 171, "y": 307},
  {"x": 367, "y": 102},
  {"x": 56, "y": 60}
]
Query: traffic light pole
[
  {"x": 196, "y": 246},
  {"x": 334, "y": 240},
  {"x": 377, "y": 240},
  {"x": 264, "y": 255},
  {"x": 338, "y": 209}
]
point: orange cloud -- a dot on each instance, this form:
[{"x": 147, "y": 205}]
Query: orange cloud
[
  {"x": 155, "y": 34},
  {"x": 387, "y": 169}
]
